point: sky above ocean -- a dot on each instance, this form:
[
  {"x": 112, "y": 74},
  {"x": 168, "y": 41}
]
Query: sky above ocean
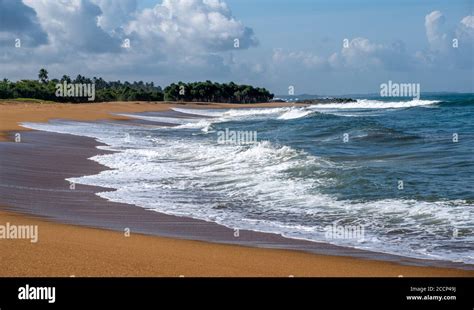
[{"x": 320, "y": 47}]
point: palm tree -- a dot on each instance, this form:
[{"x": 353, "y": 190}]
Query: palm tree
[
  {"x": 79, "y": 79},
  {"x": 43, "y": 75},
  {"x": 66, "y": 78}
]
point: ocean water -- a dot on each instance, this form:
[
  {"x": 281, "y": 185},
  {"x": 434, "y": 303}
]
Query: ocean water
[{"x": 402, "y": 170}]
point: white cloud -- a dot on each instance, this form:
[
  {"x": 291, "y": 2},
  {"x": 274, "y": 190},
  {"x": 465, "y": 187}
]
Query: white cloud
[
  {"x": 177, "y": 27},
  {"x": 306, "y": 59},
  {"x": 434, "y": 24},
  {"x": 448, "y": 47},
  {"x": 115, "y": 13},
  {"x": 190, "y": 26},
  {"x": 466, "y": 29},
  {"x": 360, "y": 54},
  {"x": 465, "y": 34},
  {"x": 468, "y": 21},
  {"x": 73, "y": 24},
  {"x": 187, "y": 39}
]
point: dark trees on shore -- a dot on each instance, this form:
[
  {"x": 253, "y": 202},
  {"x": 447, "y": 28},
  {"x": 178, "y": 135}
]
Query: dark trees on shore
[
  {"x": 105, "y": 91},
  {"x": 216, "y": 92},
  {"x": 208, "y": 91}
]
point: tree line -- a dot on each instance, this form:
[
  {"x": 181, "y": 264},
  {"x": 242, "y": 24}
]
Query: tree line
[
  {"x": 216, "y": 92},
  {"x": 45, "y": 89}
]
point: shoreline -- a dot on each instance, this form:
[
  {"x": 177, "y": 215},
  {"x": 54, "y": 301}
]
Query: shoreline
[
  {"x": 78, "y": 149},
  {"x": 13, "y": 112}
]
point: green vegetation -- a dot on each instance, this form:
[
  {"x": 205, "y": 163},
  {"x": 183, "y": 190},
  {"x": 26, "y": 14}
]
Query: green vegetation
[
  {"x": 45, "y": 89},
  {"x": 105, "y": 91},
  {"x": 31, "y": 100},
  {"x": 215, "y": 92}
]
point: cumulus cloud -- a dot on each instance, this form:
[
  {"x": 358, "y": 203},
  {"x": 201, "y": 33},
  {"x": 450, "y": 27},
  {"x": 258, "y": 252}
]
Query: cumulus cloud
[
  {"x": 73, "y": 24},
  {"x": 448, "y": 46},
  {"x": 468, "y": 21},
  {"x": 186, "y": 37},
  {"x": 465, "y": 30},
  {"x": 434, "y": 24},
  {"x": 361, "y": 54},
  {"x": 18, "y": 21},
  {"x": 465, "y": 34},
  {"x": 185, "y": 27},
  {"x": 190, "y": 25},
  {"x": 115, "y": 14}
]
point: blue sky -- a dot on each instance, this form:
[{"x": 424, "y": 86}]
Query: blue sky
[{"x": 283, "y": 42}]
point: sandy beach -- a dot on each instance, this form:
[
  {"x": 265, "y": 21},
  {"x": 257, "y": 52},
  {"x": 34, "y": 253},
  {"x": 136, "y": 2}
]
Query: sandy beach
[
  {"x": 67, "y": 250},
  {"x": 81, "y": 234}
]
